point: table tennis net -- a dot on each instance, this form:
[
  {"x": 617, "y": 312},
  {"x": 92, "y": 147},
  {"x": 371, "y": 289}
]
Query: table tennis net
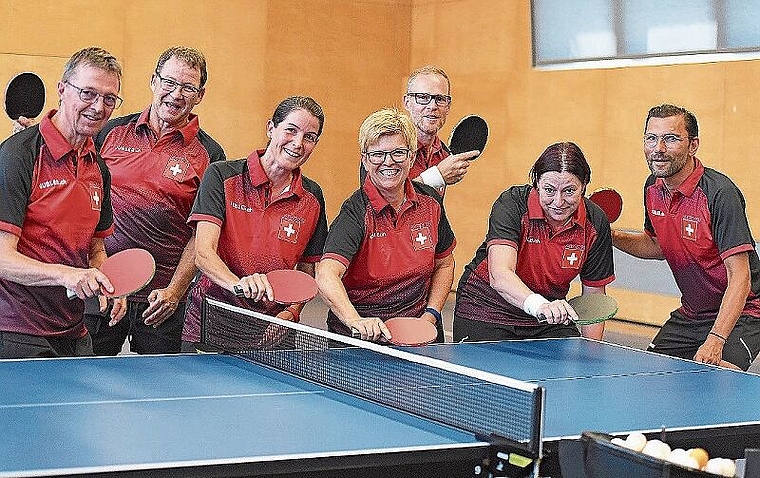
[{"x": 488, "y": 405}]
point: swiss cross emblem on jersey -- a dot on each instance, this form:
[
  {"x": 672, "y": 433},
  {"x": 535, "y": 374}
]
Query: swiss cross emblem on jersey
[
  {"x": 96, "y": 196},
  {"x": 689, "y": 228},
  {"x": 571, "y": 257},
  {"x": 176, "y": 168},
  {"x": 421, "y": 237},
  {"x": 289, "y": 229}
]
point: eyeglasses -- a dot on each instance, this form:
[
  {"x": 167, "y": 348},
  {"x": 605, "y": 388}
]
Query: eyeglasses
[
  {"x": 90, "y": 96},
  {"x": 378, "y": 157},
  {"x": 424, "y": 99},
  {"x": 670, "y": 140},
  {"x": 169, "y": 85}
]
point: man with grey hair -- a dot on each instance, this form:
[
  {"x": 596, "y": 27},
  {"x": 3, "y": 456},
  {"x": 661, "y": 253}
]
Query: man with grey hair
[
  {"x": 157, "y": 158},
  {"x": 55, "y": 210}
]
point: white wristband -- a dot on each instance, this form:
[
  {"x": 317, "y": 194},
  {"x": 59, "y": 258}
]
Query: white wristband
[
  {"x": 533, "y": 302},
  {"x": 433, "y": 177}
]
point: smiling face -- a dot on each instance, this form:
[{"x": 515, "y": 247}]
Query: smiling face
[
  {"x": 429, "y": 118},
  {"x": 560, "y": 194},
  {"x": 673, "y": 161},
  {"x": 172, "y": 108},
  {"x": 77, "y": 119},
  {"x": 293, "y": 139},
  {"x": 388, "y": 176}
]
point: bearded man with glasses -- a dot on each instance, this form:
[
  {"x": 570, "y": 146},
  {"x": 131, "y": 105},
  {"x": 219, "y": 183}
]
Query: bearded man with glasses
[
  {"x": 157, "y": 158},
  {"x": 55, "y": 211},
  {"x": 695, "y": 219}
]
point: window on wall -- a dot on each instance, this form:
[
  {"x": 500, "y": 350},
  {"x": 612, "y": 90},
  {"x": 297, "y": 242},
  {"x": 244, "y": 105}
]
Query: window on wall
[{"x": 592, "y": 33}]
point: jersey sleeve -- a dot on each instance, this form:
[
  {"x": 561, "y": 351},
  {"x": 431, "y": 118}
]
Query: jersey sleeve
[
  {"x": 316, "y": 244},
  {"x": 106, "y": 211},
  {"x": 16, "y": 171},
  {"x": 209, "y": 203},
  {"x": 346, "y": 232},
  {"x": 729, "y": 219},
  {"x": 599, "y": 268},
  {"x": 505, "y": 221}
]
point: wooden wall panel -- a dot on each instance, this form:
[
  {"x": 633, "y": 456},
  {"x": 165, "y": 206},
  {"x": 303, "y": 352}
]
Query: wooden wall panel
[{"x": 354, "y": 56}]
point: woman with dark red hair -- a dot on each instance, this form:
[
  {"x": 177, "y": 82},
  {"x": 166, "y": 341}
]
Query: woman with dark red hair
[{"x": 540, "y": 237}]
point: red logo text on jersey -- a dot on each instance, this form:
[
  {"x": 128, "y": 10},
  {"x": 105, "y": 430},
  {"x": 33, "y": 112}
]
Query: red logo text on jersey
[
  {"x": 176, "y": 168},
  {"x": 689, "y": 228},
  {"x": 421, "y": 237},
  {"x": 289, "y": 229},
  {"x": 571, "y": 256},
  {"x": 96, "y": 196}
]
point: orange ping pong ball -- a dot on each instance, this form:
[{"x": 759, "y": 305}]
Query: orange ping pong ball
[{"x": 700, "y": 455}]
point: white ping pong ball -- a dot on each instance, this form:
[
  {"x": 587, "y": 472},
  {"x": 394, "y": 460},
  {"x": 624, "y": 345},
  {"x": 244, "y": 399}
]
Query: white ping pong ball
[
  {"x": 721, "y": 466},
  {"x": 636, "y": 441},
  {"x": 619, "y": 442},
  {"x": 657, "y": 449},
  {"x": 676, "y": 455}
]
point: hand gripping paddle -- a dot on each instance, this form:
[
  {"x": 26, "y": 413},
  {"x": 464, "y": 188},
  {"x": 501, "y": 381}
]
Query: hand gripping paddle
[
  {"x": 408, "y": 331},
  {"x": 24, "y": 96},
  {"x": 470, "y": 134},
  {"x": 609, "y": 201},
  {"x": 129, "y": 271},
  {"x": 411, "y": 331},
  {"x": 593, "y": 308},
  {"x": 290, "y": 286}
]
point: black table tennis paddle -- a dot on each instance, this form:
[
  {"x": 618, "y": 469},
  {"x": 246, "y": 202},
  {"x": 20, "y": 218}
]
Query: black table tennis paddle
[
  {"x": 24, "y": 96},
  {"x": 470, "y": 134}
]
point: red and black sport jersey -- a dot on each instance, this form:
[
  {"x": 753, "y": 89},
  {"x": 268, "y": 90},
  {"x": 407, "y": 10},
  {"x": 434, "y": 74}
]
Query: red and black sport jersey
[
  {"x": 546, "y": 261},
  {"x": 698, "y": 227},
  {"x": 153, "y": 185},
  {"x": 422, "y": 161},
  {"x": 389, "y": 256},
  {"x": 257, "y": 235},
  {"x": 56, "y": 200}
]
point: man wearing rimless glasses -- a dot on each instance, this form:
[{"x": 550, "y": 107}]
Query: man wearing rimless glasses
[
  {"x": 157, "y": 158},
  {"x": 695, "y": 219},
  {"x": 55, "y": 210}
]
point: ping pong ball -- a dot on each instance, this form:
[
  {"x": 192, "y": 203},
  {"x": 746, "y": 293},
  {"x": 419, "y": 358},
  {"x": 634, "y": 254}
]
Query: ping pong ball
[
  {"x": 657, "y": 449},
  {"x": 636, "y": 441},
  {"x": 677, "y": 454},
  {"x": 721, "y": 466},
  {"x": 700, "y": 455},
  {"x": 619, "y": 442}
]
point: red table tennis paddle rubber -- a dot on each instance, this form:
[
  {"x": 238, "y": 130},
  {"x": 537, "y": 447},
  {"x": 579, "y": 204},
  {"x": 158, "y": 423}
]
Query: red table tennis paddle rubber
[
  {"x": 290, "y": 286},
  {"x": 129, "y": 271},
  {"x": 411, "y": 331},
  {"x": 609, "y": 201}
]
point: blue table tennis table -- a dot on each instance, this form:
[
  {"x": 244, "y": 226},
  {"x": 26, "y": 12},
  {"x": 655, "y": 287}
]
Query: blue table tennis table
[
  {"x": 602, "y": 387},
  {"x": 220, "y": 415}
]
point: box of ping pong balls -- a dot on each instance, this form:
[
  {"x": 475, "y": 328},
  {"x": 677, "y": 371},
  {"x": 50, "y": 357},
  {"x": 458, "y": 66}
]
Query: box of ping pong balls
[{"x": 695, "y": 459}]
